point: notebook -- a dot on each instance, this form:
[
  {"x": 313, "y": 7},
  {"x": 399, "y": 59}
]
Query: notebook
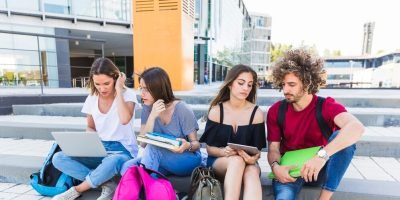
[{"x": 298, "y": 158}]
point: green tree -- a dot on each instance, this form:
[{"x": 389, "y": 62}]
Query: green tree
[
  {"x": 225, "y": 58},
  {"x": 277, "y": 51}
]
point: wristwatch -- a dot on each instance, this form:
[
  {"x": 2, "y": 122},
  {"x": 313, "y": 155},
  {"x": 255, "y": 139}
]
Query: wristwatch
[{"x": 323, "y": 154}]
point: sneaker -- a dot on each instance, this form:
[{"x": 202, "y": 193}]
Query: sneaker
[
  {"x": 107, "y": 190},
  {"x": 70, "y": 194}
]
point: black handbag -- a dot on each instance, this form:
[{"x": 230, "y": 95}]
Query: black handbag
[{"x": 204, "y": 185}]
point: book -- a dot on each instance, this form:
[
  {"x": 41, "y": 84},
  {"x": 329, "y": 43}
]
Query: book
[
  {"x": 298, "y": 158},
  {"x": 163, "y": 138},
  {"x": 160, "y": 140}
]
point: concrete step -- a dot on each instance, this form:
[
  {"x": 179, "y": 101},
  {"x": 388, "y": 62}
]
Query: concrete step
[
  {"x": 377, "y": 141},
  {"x": 363, "y": 179},
  {"x": 368, "y": 116}
]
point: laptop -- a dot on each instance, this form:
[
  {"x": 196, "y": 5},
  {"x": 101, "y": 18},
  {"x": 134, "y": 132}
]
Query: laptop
[
  {"x": 80, "y": 144},
  {"x": 298, "y": 158}
]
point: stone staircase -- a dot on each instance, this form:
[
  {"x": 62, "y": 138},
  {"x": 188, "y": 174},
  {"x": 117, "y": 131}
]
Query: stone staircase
[{"x": 25, "y": 139}]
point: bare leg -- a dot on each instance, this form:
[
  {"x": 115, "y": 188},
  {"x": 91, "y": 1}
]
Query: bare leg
[
  {"x": 232, "y": 169},
  {"x": 84, "y": 186},
  {"x": 252, "y": 183},
  {"x": 325, "y": 195}
]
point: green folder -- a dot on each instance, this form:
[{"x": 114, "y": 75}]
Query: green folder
[{"x": 298, "y": 158}]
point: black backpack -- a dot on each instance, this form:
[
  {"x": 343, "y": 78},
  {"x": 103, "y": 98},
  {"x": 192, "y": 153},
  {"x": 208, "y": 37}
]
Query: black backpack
[
  {"x": 50, "y": 181},
  {"x": 323, "y": 125}
]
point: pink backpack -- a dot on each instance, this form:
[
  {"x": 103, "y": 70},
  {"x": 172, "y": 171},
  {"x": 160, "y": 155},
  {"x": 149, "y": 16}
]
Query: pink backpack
[{"x": 138, "y": 178}]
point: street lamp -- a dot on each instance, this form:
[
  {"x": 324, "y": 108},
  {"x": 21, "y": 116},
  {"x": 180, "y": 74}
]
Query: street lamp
[{"x": 351, "y": 73}]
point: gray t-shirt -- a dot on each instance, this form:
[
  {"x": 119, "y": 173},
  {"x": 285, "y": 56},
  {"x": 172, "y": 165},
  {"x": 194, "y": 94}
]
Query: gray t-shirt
[{"x": 183, "y": 121}]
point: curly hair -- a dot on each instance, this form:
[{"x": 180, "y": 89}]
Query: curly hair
[{"x": 308, "y": 68}]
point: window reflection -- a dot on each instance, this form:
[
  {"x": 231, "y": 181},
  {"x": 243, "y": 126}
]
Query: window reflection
[
  {"x": 89, "y": 8},
  {"x": 27, "y": 5},
  {"x": 57, "y": 6}
]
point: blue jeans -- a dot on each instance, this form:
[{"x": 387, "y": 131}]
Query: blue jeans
[
  {"x": 329, "y": 177},
  {"x": 95, "y": 170},
  {"x": 167, "y": 162}
]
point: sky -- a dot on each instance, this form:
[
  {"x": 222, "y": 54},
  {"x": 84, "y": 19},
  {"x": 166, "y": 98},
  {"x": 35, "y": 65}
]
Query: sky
[{"x": 332, "y": 24}]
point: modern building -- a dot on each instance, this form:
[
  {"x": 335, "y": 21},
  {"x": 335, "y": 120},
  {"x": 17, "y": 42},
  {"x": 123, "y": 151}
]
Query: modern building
[
  {"x": 368, "y": 38},
  {"x": 364, "y": 71},
  {"x": 218, "y": 28},
  {"x": 52, "y": 43},
  {"x": 57, "y": 40},
  {"x": 256, "y": 44}
]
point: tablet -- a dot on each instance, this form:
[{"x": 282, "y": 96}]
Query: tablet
[{"x": 248, "y": 149}]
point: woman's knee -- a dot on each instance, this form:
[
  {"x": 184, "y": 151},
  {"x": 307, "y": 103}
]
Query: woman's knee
[
  {"x": 236, "y": 161},
  {"x": 58, "y": 158},
  {"x": 116, "y": 161},
  {"x": 251, "y": 172}
]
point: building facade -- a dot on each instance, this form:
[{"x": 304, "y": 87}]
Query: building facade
[
  {"x": 52, "y": 43},
  {"x": 368, "y": 38},
  {"x": 218, "y": 29},
  {"x": 256, "y": 44},
  {"x": 364, "y": 71}
]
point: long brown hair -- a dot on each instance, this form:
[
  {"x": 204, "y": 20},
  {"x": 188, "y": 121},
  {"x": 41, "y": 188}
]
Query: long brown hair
[
  {"x": 158, "y": 84},
  {"x": 224, "y": 92},
  {"x": 102, "y": 66}
]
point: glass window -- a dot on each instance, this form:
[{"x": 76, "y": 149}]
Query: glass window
[
  {"x": 117, "y": 10},
  {"x": 89, "y": 8},
  {"x": 18, "y": 57},
  {"x": 6, "y": 41},
  {"x": 47, "y": 44},
  {"x": 51, "y": 58},
  {"x": 27, "y": 5},
  {"x": 25, "y": 42},
  {"x": 57, "y": 6}
]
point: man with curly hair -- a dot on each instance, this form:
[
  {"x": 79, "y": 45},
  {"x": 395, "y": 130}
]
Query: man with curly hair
[{"x": 300, "y": 75}]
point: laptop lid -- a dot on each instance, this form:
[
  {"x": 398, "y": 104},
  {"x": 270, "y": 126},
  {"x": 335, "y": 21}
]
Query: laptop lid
[
  {"x": 298, "y": 158},
  {"x": 80, "y": 144}
]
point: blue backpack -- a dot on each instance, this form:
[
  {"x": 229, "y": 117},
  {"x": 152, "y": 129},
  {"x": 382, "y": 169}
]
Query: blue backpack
[{"x": 50, "y": 181}]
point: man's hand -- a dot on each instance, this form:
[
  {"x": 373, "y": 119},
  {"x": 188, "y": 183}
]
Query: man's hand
[
  {"x": 282, "y": 173},
  {"x": 311, "y": 168},
  {"x": 250, "y": 160}
]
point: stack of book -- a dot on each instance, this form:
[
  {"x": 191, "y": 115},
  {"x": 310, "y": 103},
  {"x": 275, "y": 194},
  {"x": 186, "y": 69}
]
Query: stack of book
[{"x": 160, "y": 140}]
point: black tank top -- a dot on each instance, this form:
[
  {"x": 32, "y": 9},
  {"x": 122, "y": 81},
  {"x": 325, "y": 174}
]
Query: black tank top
[{"x": 219, "y": 134}]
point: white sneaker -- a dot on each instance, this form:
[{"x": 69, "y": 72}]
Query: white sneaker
[
  {"x": 70, "y": 194},
  {"x": 107, "y": 190}
]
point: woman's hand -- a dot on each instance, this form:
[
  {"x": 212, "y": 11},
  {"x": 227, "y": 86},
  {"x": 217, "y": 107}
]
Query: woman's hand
[
  {"x": 185, "y": 145},
  {"x": 250, "y": 160},
  {"x": 158, "y": 107},
  {"x": 227, "y": 151},
  {"x": 120, "y": 82}
]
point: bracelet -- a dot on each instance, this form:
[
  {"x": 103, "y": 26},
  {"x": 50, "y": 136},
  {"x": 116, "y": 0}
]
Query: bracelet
[
  {"x": 274, "y": 163},
  {"x": 190, "y": 146}
]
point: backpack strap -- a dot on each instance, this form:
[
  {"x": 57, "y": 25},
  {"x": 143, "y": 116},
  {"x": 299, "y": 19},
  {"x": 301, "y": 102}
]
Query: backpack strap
[
  {"x": 221, "y": 113},
  {"x": 281, "y": 115},
  {"x": 252, "y": 115},
  {"x": 323, "y": 125}
]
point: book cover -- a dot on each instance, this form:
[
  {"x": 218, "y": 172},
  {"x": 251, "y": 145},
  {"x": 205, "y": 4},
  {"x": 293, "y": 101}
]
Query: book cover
[
  {"x": 298, "y": 158},
  {"x": 147, "y": 140},
  {"x": 163, "y": 138}
]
